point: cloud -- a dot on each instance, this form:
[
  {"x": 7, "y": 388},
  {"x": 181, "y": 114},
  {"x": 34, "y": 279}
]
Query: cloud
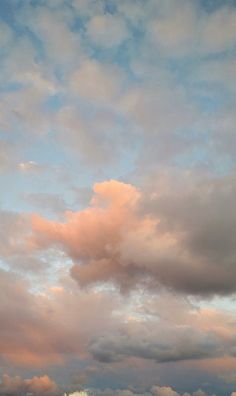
[
  {"x": 13, "y": 233},
  {"x": 199, "y": 392},
  {"x": 43, "y": 385},
  {"x": 128, "y": 90},
  {"x": 172, "y": 245},
  {"x": 178, "y": 344},
  {"x": 65, "y": 323},
  {"x": 7, "y": 156},
  {"x": 187, "y": 29},
  {"x": 87, "y": 8},
  {"x": 155, "y": 390},
  {"x": 28, "y": 166},
  {"x": 163, "y": 391},
  {"x": 52, "y": 27},
  {"x": 32, "y": 333},
  {"x": 36, "y": 386},
  {"x": 78, "y": 393},
  {"x": 118, "y": 392},
  {"x": 99, "y": 25},
  {"x": 99, "y": 252},
  {"x": 97, "y": 82},
  {"x": 52, "y": 202},
  {"x": 202, "y": 212},
  {"x": 175, "y": 32},
  {"x": 213, "y": 38},
  {"x": 7, "y": 35}
]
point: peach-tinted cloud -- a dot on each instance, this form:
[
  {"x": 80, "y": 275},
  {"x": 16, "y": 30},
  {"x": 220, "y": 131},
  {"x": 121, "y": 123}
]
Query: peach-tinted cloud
[
  {"x": 103, "y": 236},
  {"x": 114, "y": 241},
  {"x": 43, "y": 329},
  {"x": 35, "y": 386}
]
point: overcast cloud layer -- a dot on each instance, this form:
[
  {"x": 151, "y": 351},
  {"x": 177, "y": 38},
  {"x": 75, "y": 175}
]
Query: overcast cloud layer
[{"x": 118, "y": 188}]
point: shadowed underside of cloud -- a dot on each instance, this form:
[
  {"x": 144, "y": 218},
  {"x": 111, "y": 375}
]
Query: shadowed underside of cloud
[
  {"x": 36, "y": 386},
  {"x": 33, "y": 333},
  {"x": 182, "y": 240},
  {"x": 178, "y": 346},
  {"x": 42, "y": 330}
]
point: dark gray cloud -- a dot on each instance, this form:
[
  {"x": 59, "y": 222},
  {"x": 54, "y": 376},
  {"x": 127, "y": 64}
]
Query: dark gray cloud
[
  {"x": 178, "y": 344},
  {"x": 200, "y": 211}
]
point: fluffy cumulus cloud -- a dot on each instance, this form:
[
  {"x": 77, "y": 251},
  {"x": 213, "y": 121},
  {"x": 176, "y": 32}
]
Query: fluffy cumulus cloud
[
  {"x": 163, "y": 391},
  {"x": 35, "y": 386},
  {"x": 173, "y": 244}
]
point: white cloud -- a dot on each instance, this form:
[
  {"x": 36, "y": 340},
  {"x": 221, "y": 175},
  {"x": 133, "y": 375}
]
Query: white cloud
[
  {"x": 107, "y": 30},
  {"x": 163, "y": 391},
  {"x": 175, "y": 32},
  {"x": 78, "y": 393},
  {"x": 97, "y": 82},
  {"x": 219, "y": 30}
]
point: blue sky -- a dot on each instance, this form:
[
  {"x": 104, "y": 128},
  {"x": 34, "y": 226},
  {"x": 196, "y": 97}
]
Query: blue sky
[{"x": 117, "y": 169}]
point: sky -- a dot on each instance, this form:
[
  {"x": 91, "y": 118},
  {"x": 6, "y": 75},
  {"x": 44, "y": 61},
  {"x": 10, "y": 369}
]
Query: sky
[{"x": 117, "y": 203}]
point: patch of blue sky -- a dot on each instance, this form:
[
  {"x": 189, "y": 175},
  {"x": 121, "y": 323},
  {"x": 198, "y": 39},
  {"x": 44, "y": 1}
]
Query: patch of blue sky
[
  {"x": 7, "y": 11},
  {"x": 212, "y": 5},
  {"x": 54, "y": 103},
  {"x": 38, "y": 45},
  {"x": 223, "y": 164},
  {"x": 53, "y": 163},
  {"x": 201, "y": 156},
  {"x": 53, "y": 261},
  {"x": 197, "y": 156},
  {"x": 14, "y": 137},
  {"x": 110, "y": 7},
  {"x": 208, "y": 100},
  {"x": 16, "y": 186},
  {"x": 122, "y": 54},
  {"x": 4, "y": 265},
  {"x": 127, "y": 53},
  {"x": 9, "y": 86},
  {"x": 126, "y": 165},
  {"x": 50, "y": 161},
  {"x": 45, "y": 150},
  {"x": 9, "y": 14},
  {"x": 184, "y": 68},
  {"x": 78, "y": 22},
  {"x": 224, "y": 303},
  {"x": 194, "y": 134}
]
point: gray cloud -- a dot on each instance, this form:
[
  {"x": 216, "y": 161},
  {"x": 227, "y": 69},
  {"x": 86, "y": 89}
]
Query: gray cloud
[
  {"x": 182, "y": 344},
  {"x": 200, "y": 210}
]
